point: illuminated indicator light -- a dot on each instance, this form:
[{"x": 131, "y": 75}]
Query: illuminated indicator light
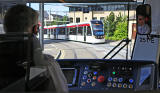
[
  {"x": 110, "y": 79},
  {"x": 93, "y": 84},
  {"x": 90, "y": 75},
  {"x": 113, "y": 73},
  {"x": 83, "y": 83},
  {"x": 120, "y": 79},
  {"x": 119, "y": 85},
  {"x": 94, "y": 77},
  {"x": 109, "y": 84},
  {"x": 84, "y": 77},
  {"x": 124, "y": 85},
  {"x": 114, "y": 85},
  {"x": 130, "y": 86},
  {"x": 89, "y": 80},
  {"x": 95, "y": 73},
  {"x": 123, "y": 68},
  {"x": 85, "y": 72},
  {"x": 130, "y": 68},
  {"x": 115, "y": 79},
  {"x": 131, "y": 80}
]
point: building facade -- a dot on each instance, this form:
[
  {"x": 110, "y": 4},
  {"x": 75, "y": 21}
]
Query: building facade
[{"x": 86, "y": 12}]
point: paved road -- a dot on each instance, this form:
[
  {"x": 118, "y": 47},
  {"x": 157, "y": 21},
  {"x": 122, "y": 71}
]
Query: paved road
[{"x": 77, "y": 50}]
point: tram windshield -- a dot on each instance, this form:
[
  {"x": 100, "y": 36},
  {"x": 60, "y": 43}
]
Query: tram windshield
[
  {"x": 98, "y": 29},
  {"x": 99, "y": 32},
  {"x": 81, "y": 37}
]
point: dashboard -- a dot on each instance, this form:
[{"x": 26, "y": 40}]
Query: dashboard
[
  {"x": 113, "y": 75},
  {"x": 96, "y": 76}
]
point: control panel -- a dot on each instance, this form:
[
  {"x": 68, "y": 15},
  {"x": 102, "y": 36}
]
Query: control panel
[
  {"x": 107, "y": 76},
  {"x": 102, "y": 74}
]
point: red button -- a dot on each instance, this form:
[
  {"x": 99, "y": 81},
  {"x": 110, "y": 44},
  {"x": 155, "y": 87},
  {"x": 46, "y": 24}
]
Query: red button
[{"x": 101, "y": 79}]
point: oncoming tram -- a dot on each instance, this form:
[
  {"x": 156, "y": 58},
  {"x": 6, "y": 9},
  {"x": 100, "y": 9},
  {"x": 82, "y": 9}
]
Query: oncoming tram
[{"x": 90, "y": 32}]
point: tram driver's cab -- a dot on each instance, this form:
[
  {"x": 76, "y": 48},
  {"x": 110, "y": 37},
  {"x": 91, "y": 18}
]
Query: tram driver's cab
[{"x": 139, "y": 74}]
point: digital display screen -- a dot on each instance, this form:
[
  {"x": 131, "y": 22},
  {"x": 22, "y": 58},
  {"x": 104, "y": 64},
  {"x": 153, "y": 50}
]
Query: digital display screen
[
  {"x": 145, "y": 75},
  {"x": 98, "y": 27},
  {"x": 70, "y": 74}
]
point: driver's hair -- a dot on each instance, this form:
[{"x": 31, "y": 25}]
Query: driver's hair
[{"x": 19, "y": 18}]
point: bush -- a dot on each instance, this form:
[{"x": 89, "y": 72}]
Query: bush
[
  {"x": 121, "y": 31},
  {"x": 115, "y": 28}
]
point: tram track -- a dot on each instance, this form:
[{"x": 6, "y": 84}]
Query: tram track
[
  {"x": 78, "y": 51},
  {"x": 86, "y": 48}
]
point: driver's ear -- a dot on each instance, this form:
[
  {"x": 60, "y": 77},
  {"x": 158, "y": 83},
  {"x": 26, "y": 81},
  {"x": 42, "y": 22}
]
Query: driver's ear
[{"x": 35, "y": 29}]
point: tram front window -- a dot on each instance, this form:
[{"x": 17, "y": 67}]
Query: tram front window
[{"x": 98, "y": 29}]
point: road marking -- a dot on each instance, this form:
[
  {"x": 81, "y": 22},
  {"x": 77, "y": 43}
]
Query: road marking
[{"x": 62, "y": 54}]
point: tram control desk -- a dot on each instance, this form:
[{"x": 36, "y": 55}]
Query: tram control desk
[
  {"x": 101, "y": 75},
  {"x": 97, "y": 76}
]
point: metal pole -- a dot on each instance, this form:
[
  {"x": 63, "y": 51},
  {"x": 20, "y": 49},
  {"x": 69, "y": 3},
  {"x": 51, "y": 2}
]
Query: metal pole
[
  {"x": 143, "y": 1},
  {"x": 29, "y": 4},
  {"x": 127, "y": 33},
  {"x": 41, "y": 9},
  {"x": 74, "y": 17}
]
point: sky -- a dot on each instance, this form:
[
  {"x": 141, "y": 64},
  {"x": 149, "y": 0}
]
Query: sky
[{"x": 56, "y": 8}]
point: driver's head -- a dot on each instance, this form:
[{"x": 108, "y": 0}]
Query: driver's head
[
  {"x": 141, "y": 20},
  {"x": 20, "y": 18}
]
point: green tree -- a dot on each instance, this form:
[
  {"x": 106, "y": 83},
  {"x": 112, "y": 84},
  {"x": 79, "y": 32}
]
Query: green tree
[
  {"x": 115, "y": 27},
  {"x": 59, "y": 21},
  {"x": 121, "y": 31},
  {"x": 109, "y": 24},
  {"x": 53, "y": 23},
  {"x": 64, "y": 19}
]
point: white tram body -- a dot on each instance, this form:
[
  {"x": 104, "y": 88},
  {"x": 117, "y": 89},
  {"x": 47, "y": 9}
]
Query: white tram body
[{"x": 90, "y": 32}]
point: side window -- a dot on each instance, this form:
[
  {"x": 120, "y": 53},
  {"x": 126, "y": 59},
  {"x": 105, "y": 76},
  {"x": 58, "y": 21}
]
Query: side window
[
  {"x": 89, "y": 31},
  {"x": 52, "y": 31},
  {"x": 94, "y": 18},
  {"x": 45, "y": 31},
  {"x": 77, "y": 20},
  {"x": 80, "y": 30},
  {"x": 71, "y": 20},
  {"x": 62, "y": 31},
  {"x": 73, "y": 31}
]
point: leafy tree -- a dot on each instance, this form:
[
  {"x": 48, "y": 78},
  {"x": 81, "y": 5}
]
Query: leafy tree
[
  {"x": 65, "y": 18},
  {"x": 115, "y": 27},
  {"x": 59, "y": 21},
  {"x": 121, "y": 31},
  {"x": 53, "y": 23},
  {"x": 109, "y": 24}
]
